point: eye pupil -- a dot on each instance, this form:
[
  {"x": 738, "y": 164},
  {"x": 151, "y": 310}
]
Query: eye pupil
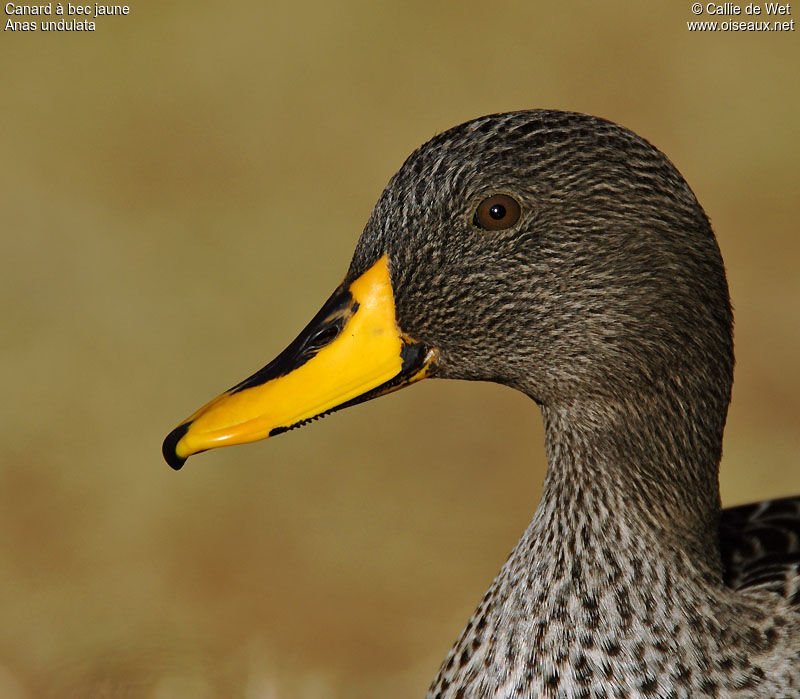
[{"x": 497, "y": 212}]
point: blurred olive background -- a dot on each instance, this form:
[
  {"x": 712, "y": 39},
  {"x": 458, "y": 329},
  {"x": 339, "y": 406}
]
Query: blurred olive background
[{"x": 181, "y": 189}]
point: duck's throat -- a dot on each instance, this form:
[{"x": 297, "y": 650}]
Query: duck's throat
[
  {"x": 655, "y": 472},
  {"x": 611, "y": 557},
  {"x": 623, "y": 547}
]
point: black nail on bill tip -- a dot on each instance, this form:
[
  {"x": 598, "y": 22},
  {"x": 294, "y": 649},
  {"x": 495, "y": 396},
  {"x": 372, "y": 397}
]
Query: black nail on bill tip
[{"x": 168, "y": 448}]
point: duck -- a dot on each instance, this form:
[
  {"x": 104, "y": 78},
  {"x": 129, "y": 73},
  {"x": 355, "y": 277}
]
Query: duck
[{"x": 564, "y": 256}]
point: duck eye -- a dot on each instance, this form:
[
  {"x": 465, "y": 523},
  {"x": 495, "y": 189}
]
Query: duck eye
[{"x": 496, "y": 213}]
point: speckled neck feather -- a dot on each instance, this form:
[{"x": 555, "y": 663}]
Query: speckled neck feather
[
  {"x": 611, "y": 593},
  {"x": 608, "y": 305}
]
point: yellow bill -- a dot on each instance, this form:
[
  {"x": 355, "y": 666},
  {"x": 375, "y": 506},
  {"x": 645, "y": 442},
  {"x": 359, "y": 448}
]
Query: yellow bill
[{"x": 351, "y": 351}]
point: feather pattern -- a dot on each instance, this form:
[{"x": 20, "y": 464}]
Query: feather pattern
[
  {"x": 760, "y": 546},
  {"x": 607, "y": 304}
]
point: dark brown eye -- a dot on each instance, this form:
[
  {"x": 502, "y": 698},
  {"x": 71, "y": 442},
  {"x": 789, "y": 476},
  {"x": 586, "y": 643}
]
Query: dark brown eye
[{"x": 497, "y": 212}]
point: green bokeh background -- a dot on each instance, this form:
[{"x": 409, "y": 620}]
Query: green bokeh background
[{"x": 180, "y": 191}]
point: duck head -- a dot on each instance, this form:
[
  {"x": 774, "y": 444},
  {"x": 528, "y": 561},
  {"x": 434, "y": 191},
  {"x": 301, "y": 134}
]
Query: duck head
[{"x": 553, "y": 252}]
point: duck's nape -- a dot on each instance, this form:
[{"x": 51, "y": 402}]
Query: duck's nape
[{"x": 566, "y": 257}]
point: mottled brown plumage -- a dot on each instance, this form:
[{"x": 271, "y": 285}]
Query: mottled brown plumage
[{"x": 608, "y": 305}]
